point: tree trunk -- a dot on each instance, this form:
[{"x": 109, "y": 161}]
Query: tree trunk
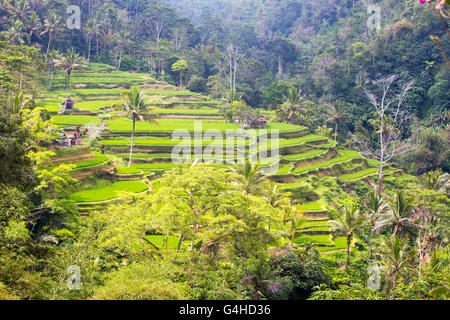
[
  {"x": 51, "y": 80},
  {"x": 48, "y": 46},
  {"x": 380, "y": 174},
  {"x": 293, "y": 233},
  {"x": 132, "y": 142},
  {"x": 394, "y": 286},
  {"x": 335, "y": 132},
  {"x": 67, "y": 86},
  {"x": 380, "y": 178},
  {"x": 349, "y": 242},
  {"x": 89, "y": 49},
  {"x": 120, "y": 61}
]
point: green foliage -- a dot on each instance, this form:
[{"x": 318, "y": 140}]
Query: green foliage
[{"x": 147, "y": 281}]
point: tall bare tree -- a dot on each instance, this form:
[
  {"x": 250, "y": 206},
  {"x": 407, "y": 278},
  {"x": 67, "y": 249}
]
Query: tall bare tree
[
  {"x": 234, "y": 57},
  {"x": 389, "y": 124}
]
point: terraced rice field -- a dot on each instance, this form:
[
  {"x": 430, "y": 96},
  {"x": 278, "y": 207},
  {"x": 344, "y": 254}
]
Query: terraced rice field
[{"x": 302, "y": 154}]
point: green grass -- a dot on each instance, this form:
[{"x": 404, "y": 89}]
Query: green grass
[
  {"x": 155, "y": 166},
  {"x": 96, "y": 105},
  {"x": 75, "y": 120},
  {"x": 173, "y": 93},
  {"x": 306, "y": 155},
  {"x": 128, "y": 171},
  {"x": 293, "y": 142},
  {"x": 144, "y": 156},
  {"x": 358, "y": 175},
  {"x": 320, "y": 239},
  {"x": 311, "y": 206},
  {"x": 339, "y": 244},
  {"x": 169, "y": 125},
  {"x": 99, "y": 159},
  {"x": 344, "y": 155},
  {"x": 285, "y": 170},
  {"x": 190, "y": 112},
  {"x": 312, "y": 224},
  {"x": 154, "y": 142},
  {"x": 172, "y": 241},
  {"x": 365, "y": 173},
  {"x": 109, "y": 192}
]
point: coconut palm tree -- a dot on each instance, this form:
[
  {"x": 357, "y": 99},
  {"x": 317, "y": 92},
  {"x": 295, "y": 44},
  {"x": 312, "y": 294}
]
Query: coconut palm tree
[
  {"x": 395, "y": 258},
  {"x": 70, "y": 62},
  {"x": 53, "y": 60},
  {"x": 16, "y": 33},
  {"x": 398, "y": 215},
  {"x": 123, "y": 42},
  {"x": 138, "y": 110},
  {"x": 52, "y": 25},
  {"x": 277, "y": 199},
  {"x": 251, "y": 179},
  {"x": 347, "y": 224},
  {"x": 261, "y": 280},
  {"x": 21, "y": 10},
  {"x": 375, "y": 205},
  {"x": 34, "y": 25},
  {"x": 297, "y": 219},
  {"x": 291, "y": 106},
  {"x": 17, "y": 103},
  {"x": 90, "y": 30},
  {"x": 435, "y": 180},
  {"x": 335, "y": 114}
]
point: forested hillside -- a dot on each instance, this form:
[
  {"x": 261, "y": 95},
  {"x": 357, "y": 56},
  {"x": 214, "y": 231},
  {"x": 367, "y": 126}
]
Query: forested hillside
[{"x": 326, "y": 49}]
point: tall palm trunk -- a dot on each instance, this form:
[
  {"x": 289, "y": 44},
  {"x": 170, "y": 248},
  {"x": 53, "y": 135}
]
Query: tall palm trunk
[
  {"x": 132, "y": 142},
  {"x": 49, "y": 42},
  {"x": 67, "y": 86},
  {"x": 394, "y": 286},
  {"x": 335, "y": 132},
  {"x": 52, "y": 74},
  {"x": 380, "y": 174},
  {"x": 293, "y": 233},
  {"x": 349, "y": 242},
  {"x": 89, "y": 49}
]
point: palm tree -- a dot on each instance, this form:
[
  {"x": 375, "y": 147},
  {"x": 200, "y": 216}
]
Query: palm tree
[
  {"x": 34, "y": 25},
  {"x": 297, "y": 219},
  {"x": 347, "y": 224},
  {"x": 398, "y": 215},
  {"x": 16, "y": 33},
  {"x": 17, "y": 103},
  {"x": 250, "y": 176},
  {"x": 21, "y": 10},
  {"x": 52, "y": 25},
  {"x": 375, "y": 205},
  {"x": 261, "y": 280},
  {"x": 435, "y": 180},
  {"x": 137, "y": 109},
  {"x": 277, "y": 199},
  {"x": 122, "y": 41},
  {"x": 53, "y": 60},
  {"x": 335, "y": 114},
  {"x": 71, "y": 61},
  {"x": 90, "y": 30},
  {"x": 394, "y": 257},
  {"x": 292, "y": 105}
]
